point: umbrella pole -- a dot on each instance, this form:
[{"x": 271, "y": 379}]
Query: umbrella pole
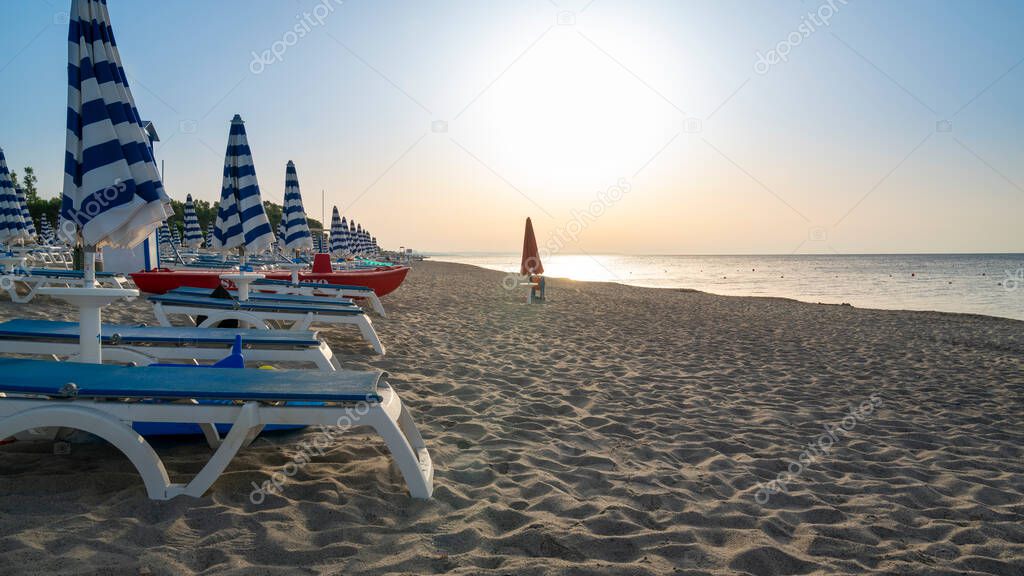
[
  {"x": 89, "y": 316},
  {"x": 90, "y": 300}
]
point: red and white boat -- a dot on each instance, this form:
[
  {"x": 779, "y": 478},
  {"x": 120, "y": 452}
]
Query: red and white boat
[{"x": 383, "y": 280}]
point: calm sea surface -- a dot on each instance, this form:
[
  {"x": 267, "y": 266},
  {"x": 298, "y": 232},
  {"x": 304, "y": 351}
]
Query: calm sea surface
[{"x": 991, "y": 284}]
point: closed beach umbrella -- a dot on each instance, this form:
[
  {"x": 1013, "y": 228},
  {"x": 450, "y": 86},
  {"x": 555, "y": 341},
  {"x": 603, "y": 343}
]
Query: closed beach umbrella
[
  {"x": 46, "y": 231},
  {"x": 241, "y": 220},
  {"x": 193, "y": 235},
  {"x": 164, "y": 236},
  {"x": 280, "y": 231},
  {"x": 26, "y": 216},
  {"x": 353, "y": 237},
  {"x": 175, "y": 238},
  {"x": 345, "y": 237},
  {"x": 296, "y": 229},
  {"x": 531, "y": 255},
  {"x": 12, "y": 223},
  {"x": 112, "y": 188},
  {"x": 208, "y": 236},
  {"x": 339, "y": 237}
]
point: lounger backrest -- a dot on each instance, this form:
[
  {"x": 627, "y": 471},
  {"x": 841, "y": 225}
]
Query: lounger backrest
[
  {"x": 294, "y": 298},
  {"x": 71, "y": 379},
  {"x": 254, "y": 305},
  {"x": 273, "y": 282}
]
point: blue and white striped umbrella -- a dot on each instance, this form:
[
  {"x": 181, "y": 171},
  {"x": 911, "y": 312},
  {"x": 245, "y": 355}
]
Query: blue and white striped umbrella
[
  {"x": 12, "y": 223},
  {"x": 339, "y": 238},
  {"x": 112, "y": 188},
  {"x": 241, "y": 219},
  {"x": 163, "y": 236},
  {"x": 373, "y": 244},
  {"x": 175, "y": 238},
  {"x": 26, "y": 216},
  {"x": 360, "y": 244},
  {"x": 46, "y": 231},
  {"x": 279, "y": 234},
  {"x": 318, "y": 242},
  {"x": 296, "y": 228},
  {"x": 208, "y": 237},
  {"x": 353, "y": 245},
  {"x": 193, "y": 235}
]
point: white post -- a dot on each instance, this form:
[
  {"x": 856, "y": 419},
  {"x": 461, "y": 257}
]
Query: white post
[{"x": 90, "y": 300}]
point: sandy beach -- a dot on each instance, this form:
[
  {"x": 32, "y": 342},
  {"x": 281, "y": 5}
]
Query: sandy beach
[{"x": 612, "y": 430}]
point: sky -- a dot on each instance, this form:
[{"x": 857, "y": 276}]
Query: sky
[{"x": 646, "y": 127}]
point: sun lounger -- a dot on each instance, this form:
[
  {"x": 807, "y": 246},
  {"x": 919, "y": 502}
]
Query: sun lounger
[
  {"x": 35, "y": 278},
  {"x": 104, "y": 400},
  {"x": 272, "y": 297},
  {"x": 318, "y": 289},
  {"x": 144, "y": 345},
  {"x": 262, "y": 314}
]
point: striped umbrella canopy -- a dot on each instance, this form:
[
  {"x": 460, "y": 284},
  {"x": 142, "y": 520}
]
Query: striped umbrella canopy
[
  {"x": 353, "y": 241},
  {"x": 208, "y": 237},
  {"x": 360, "y": 239},
  {"x": 164, "y": 236},
  {"x": 12, "y": 223},
  {"x": 112, "y": 188},
  {"x": 339, "y": 238},
  {"x": 26, "y": 216},
  {"x": 175, "y": 237},
  {"x": 193, "y": 235},
  {"x": 280, "y": 230},
  {"x": 318, "y": 242},
  {"x": 46, "y": 231},
  {"x": 241, "y": 219},
  {"x": 373, "y": 242},
  {"x": 297, "y": 235}
]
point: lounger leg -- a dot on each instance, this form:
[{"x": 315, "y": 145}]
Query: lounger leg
[
  {"x": 325, "y": 359},
  {"x": 366, "y": 327},
  {"x": 248, "y": 418},
  {"x": 161, "y": 315},
  {"x": 409, "y": 452},
  {"x": 119, "y": 434},
  {"x": 376, "y": 305}
]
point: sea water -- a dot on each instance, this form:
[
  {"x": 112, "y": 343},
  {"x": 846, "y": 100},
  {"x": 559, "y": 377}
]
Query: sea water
[{"x": 991, "y": 284}]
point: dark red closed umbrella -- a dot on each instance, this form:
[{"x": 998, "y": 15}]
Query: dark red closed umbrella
[{"x": 531, "y": 256}]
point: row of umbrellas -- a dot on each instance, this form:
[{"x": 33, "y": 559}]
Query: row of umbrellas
[
  {"x": 15, "y": 221},
  {"x": 113, "y": 195}
]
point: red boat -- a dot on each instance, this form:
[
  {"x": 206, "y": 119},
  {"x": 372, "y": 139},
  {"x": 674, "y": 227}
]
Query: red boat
[{"x": 383, "y": 280}]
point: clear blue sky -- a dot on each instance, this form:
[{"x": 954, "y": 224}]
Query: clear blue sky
[{"x": 549, "y": 103}]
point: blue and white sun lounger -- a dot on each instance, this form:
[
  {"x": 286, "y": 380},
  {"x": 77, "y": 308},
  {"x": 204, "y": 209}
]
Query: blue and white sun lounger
[
  {"x": 144, "y": 345},
  {"x": 272, "y": 297},
  {"x": 104, "y": 400},
  {"x": 263, "y": 314},
  {"x": 318, "y": 289},
  {"x": 35, "y": 278}
]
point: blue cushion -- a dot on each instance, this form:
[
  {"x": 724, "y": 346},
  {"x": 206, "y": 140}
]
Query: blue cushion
[{"x": 111, "y": 381}]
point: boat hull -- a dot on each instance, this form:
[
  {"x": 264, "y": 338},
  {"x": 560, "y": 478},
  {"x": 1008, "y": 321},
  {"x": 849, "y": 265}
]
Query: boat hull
[{"x": 382, "y": 281}]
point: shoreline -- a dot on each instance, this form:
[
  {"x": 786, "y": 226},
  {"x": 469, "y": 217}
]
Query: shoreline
[{"x": 785, "y": 298}]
